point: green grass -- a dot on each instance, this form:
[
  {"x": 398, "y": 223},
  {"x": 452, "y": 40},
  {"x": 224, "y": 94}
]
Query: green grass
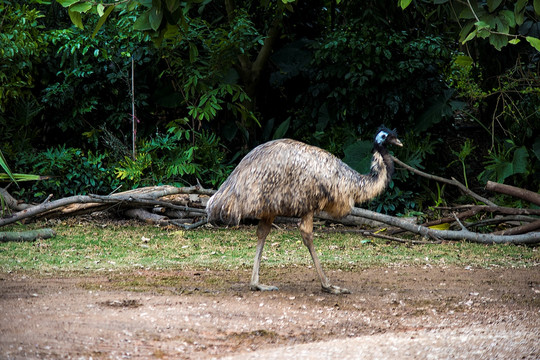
[{"x": 94, "y": 247}]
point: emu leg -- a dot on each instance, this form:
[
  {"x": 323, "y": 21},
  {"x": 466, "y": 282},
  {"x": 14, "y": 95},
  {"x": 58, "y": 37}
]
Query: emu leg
[
  {"x": 262, "y": 232},
  {"x": 306, "y": 230}
]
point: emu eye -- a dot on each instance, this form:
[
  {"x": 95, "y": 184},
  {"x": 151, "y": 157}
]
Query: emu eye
[{"x": 384, "y": 136}]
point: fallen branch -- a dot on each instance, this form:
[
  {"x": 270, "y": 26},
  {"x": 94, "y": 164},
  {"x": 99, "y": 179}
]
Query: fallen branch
[
  {"x": 386, "y": 237},
  {"x": 30, "y": 235},
  {"x": 514, "y": 191},
  {"x": 464, "y": 234},
  {"x": 11, "y": 202},
  {"x": 144, "y": 215},
  {"x": 137, "y": 197},
  {"x": 498, "y": 209},
  {"x": 447, "y": 181},
  {"x": 533, "y": 226}
]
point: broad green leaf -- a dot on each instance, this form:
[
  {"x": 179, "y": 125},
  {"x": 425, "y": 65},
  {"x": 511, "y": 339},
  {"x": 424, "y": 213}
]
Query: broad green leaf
[
  {"x": 100, "y": 8},
  {"x": 467, "y": 13},
  {"x": 503, "y": 170},
  {"x": 102, "y": 19},
  {"x": 482, "y": 25},
  {"x": 67, "y": 3},
  {"x": 465, "y": 31},
  {"x": 5, "y": 166},
  {"x": 76, "y": 18},
  {"x": 404, "y": 3},
  {"x": 282, "y": 129},
  {"x": 535, "y": 42},
  {"x": 520, "y": 5},
  {"x": 519, "y": 162},
  {"x": 519, "y": 11},
  {"x": 146, "y": 3},
  {"x": 193, "y": 52},
  {"x": 536, "y": 4},
  {"x": 172, "y": 5},
  {"x": 81, "y": 7},
  {"x": 463, "y": 61},
  {"x": 469, "y": 37},
  {"x": 498, "y": 41},
  {"x": 508, "y": 17},
  {"x": 143, "y": 22},
  {"x": 493, "y": 4},
  {"x": 156, "y": 15},
  {"x": 501, "y": 24},
  {"x": 358, "y": 155},
  {"x": 514, "y": 41},
  {"x": 520, "y": 18}
]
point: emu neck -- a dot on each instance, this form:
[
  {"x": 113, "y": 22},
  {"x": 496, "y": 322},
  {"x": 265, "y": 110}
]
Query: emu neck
[{"x": 380, "y": 174}]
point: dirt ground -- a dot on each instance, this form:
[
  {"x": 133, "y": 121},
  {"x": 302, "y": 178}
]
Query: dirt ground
[{"x": 401, "y": 312}]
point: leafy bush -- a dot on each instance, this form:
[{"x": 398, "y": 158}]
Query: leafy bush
[
  {"x": 366, "y": 76},
  {"x": 90, "y": 77},
  {"x": 22, "y": 47},
  {"x": 180, "y": 157},
  {"x": 70, "y": 171},
  {"x": 506, "y": 107},
  {"x": 22, "y": 44}
]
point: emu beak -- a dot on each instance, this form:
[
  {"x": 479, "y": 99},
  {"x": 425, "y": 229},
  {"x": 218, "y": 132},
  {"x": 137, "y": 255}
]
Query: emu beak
[{"x": 396, "y": 141}]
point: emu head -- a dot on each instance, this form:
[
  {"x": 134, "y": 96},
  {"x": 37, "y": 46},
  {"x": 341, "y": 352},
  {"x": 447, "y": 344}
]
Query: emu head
[{"x": 386, "y": 136}]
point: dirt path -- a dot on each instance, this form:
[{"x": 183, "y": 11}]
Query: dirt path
[{"x": 411, "y": 312}]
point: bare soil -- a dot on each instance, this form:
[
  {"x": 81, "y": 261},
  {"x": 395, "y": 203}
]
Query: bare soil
[{"x": 400, "y": 312}]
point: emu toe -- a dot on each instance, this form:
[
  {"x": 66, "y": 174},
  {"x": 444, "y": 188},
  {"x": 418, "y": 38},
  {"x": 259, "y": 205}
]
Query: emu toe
[
  {"x": 260, "y": 287},
  {"x": 332, "y": 289}
]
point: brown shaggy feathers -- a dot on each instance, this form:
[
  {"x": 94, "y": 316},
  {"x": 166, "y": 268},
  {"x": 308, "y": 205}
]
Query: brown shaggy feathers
[{"x": 289, "y": 178}]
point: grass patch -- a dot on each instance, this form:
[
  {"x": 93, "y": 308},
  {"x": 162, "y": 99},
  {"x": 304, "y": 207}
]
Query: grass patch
[{"x": 98, "y": 247}]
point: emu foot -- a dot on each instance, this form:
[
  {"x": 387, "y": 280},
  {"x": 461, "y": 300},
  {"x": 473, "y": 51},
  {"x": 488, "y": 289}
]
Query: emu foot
[
  {"x": 332, "y": 289},
  {"x": 260, "y": 287}
]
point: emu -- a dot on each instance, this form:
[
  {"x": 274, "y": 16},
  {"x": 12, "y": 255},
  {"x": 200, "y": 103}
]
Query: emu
[{"x": 289, "y": 178}]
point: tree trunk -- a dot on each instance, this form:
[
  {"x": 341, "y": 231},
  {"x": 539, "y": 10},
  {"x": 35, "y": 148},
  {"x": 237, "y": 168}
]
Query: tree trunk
[
  {"x": 30, "y": 235},
  {"x": 250, "y": 71}
]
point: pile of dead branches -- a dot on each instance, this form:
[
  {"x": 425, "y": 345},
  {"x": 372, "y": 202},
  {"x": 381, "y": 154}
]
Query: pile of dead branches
[{"x": 185, "y": 207}]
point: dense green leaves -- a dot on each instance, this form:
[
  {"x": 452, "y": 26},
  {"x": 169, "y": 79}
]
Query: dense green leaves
[
  {"x": 22, "y": 44},
  {"x": 336, "y": 73},
  {"x": 508, "y": 160}
]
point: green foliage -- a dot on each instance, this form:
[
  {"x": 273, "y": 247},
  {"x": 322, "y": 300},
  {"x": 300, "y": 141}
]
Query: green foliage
[
  {"x": 199, "y": 75},
  {"x": 70, "y": 171},
  {"x": 501, "y": 22},
  {"x": 361, "y": 74},
  {"x": 466, "y": 150},
  {"x": 179, "y": 157},
  {"x": 516, "y": 99},
  {"x": 505, "y": 161},
  {"x": 394, "y": 201},
  {"x": 92, "y": 75},
  {"x": 22, "y": 44},
  {"x": 337, "y": 72},
  {"x": 5, "y": 167}
]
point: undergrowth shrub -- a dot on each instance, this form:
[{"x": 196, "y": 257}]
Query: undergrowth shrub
[
  {"x": 69, "y": 171},
  {"x": 180, "y": 157}
]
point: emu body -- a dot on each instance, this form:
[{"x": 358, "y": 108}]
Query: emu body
[{"x": 289, "y": 178}]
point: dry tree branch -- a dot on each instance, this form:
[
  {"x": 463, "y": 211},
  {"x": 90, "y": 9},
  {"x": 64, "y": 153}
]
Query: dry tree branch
[
  {"x": 444, "y": 180},
  {"x": 530, "y": 238},
  {"x": 514, "y": 191},
  {"x": 143, "y": 196}
]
